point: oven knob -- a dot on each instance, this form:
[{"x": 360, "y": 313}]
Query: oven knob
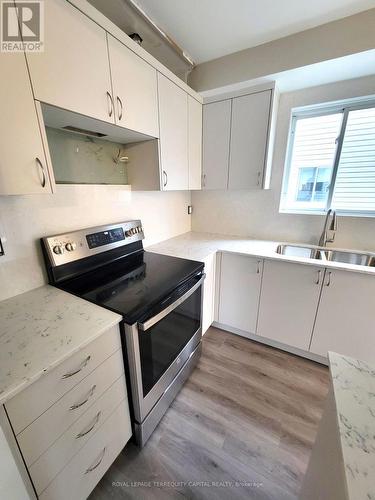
[
  {"x": 71, "y": 246},
  {"x": 59, "y": 249},
  {"x": 128, "y": 233},
  {"x": 134, "y": 231}
]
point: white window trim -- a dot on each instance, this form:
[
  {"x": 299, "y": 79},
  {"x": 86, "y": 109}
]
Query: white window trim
[{"x": 320, "y": 110}]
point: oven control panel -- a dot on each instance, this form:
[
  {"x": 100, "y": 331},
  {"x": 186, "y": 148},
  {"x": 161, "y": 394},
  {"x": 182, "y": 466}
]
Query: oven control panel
[{"x": 65, "y": 248}]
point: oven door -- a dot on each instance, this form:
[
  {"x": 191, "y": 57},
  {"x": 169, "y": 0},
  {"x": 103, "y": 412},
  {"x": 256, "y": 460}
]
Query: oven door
[{"x": 159, "y": 347}]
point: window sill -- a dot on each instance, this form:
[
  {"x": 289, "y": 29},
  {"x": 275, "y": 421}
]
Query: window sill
[{"x": 340, "y": 213}]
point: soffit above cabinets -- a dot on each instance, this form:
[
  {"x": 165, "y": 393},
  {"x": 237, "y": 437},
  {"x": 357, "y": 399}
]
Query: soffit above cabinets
[{"x": 67, "y": 120}]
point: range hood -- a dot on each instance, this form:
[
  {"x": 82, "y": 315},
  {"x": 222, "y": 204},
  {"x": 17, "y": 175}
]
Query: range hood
[{"x": 62, "y": 119}]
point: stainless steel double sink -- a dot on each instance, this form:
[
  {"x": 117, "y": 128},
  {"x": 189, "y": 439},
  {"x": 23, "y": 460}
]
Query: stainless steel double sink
[{"x": 327, "y": 254}]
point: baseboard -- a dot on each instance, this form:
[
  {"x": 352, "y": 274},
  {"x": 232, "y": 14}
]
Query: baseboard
[{"x": 273, "y": 343}]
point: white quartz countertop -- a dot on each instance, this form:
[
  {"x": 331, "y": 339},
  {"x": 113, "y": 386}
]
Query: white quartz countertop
[
  {"x": 354, "y": 392},
  {"x": 40, "y": 329},
  {"x": 199, "y": 246}
]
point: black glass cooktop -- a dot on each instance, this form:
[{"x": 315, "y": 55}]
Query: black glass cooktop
[{"x": 136, "y": 285}]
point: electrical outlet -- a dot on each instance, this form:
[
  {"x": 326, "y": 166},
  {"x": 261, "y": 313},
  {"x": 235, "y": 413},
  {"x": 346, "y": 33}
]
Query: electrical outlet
[
  {"x": 190, "y": 209},
  {"x": 1, "y": 248}
]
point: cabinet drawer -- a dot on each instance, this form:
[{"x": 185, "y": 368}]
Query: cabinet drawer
[
  {"x": 33, "y": 401},
  {"x": 44, "y": 431},
  {"x": 58, "y": 455},
  {"x": 85, "y": 470}
]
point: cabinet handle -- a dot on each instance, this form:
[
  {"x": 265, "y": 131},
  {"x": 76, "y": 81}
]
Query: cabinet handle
[
  {"x": 258, "y": 181},
  {"x": 82, "y": 366},
  {"x": 41, "y": 168},
  {"x": 317, "y": 282},
  {"x": 90, "y": 469},
  {"x": 258, "y": 267},
  {"x": 110, "y": 104},
  {"x": 203, "y": 180},
  {"x": 165, "y": 178},
  {"x": 78, "y": 405},
  {"x": 84, "y": 433},
  {"x": 119, "y": 103},
  {"x": 328, "y": 282}
]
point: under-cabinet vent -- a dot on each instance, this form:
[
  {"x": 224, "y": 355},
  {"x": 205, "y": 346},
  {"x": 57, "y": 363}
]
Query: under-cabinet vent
[{"x": 83, "y": 131}]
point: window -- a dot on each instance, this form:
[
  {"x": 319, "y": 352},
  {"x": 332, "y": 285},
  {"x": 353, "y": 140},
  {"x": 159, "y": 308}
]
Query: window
[{"x": 331, "y": 161}]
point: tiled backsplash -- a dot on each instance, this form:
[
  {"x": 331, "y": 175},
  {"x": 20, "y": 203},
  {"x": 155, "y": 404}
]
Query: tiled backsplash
[{"x": 25, "y": 219}]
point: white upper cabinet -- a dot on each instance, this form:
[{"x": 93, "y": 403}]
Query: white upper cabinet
[
  {"x": 24, "y": 167},
  {"x": 346, "y": 317},
  {"x": 194, "y": 143},
  {"x": 240, "y": 280},
  {"x": 289, "y": 299},
  {"x": 73, "y": 71},
  {"x": 237, "y": 141},
  {"x": 134, "y": 89},
  {"x": 216, "y": 136},
  {"x": 248, "y": 144},
  {"x": 173, "y": 116}
]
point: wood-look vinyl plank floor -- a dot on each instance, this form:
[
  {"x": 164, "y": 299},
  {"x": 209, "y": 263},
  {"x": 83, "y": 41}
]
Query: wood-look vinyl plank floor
[{"x": 242, "y": 427}]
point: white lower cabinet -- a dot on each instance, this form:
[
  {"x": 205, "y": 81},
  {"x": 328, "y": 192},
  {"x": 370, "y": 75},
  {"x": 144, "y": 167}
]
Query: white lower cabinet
[
  {"x": 84, "y": 471},
  {"x": 75, "y": 431},
  {"x": 240, "y": 281},
  {"x": 289, "y": 299},
  {"x": 346, "y": 315},
  {"x": 209, "y": 292}
]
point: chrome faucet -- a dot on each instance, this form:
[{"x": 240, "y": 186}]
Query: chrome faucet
[{"x": 329, "y": 228}]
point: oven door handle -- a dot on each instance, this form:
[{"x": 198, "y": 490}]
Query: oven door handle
[{"x": 151, "y": 322}]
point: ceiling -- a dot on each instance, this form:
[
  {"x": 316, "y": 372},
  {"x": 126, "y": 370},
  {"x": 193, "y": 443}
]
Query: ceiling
[{"x": 207, "y": 29}]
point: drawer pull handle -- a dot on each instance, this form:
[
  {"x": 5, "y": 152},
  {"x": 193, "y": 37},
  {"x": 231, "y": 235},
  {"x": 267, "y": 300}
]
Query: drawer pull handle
[
  {"x": 84, "y": 433},
  {"x": 40, "y": 165},
  {"x": 90, "y": 469},
  {"x": 82, "y": 366},
  {"x": 78, "y": 405},
  {"x": 328, "y": 282},
  {"x": 119, "y": 103},
  {"x": 165, "y": 175},
  {"x": 110, "y": 104},
  {"x": 258, "y": 267},
  {"x": 317, "y": 282}
]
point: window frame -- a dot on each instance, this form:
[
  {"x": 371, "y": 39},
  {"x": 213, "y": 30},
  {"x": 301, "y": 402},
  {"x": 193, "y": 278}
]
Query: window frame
[{"x": 343, "y": 107}]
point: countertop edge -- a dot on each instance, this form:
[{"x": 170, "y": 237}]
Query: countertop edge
[
  {"x": 7, "y": 395},
  {"x": 212, "y": 237}
]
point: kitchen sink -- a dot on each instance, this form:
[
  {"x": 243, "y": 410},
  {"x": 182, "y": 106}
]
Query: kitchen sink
[
  {"x": 299, "y": 251},
  {"x": 356, "y": 258},
  {"x": 332, "y": 255}
]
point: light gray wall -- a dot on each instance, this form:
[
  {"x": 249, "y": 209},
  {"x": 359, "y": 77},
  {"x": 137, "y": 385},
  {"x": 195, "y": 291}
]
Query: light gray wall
[
  {"x": 256, "y": 213},
  {"x": 329, "y": 41}
]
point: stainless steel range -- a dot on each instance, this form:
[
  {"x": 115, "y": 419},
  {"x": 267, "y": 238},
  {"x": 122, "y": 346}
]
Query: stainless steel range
[{"x": 159, "y": 297}]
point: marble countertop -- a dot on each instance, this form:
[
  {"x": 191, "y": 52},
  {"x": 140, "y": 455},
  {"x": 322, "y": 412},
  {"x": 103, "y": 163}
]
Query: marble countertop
[
  {"x": 40, "y": 329},
  {"x": 199, "y": 246},
  {"x": 354, "y": 392}
]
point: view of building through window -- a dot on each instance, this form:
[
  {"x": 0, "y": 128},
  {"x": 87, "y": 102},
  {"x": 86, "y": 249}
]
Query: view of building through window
[{"x": 331, "y": 162}]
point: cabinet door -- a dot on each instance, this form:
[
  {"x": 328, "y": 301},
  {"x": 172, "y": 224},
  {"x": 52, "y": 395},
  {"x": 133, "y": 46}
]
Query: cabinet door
[
  {"x": 346, "y": 316},
  {"x": 23, "y": 164},
  {"x": 216, "y": 133},
  {"x": 173, "y": 114},
  {"x": 195, "y": 143},
  {"x": 240, "y": 279},
  {"x": 249, "y": 137},
  {"x": 134, "y": 89},
  {"x": 289, "y": 299},
  {"x": 73, "y": 71},
  {"x": 209, "y": 292}
]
